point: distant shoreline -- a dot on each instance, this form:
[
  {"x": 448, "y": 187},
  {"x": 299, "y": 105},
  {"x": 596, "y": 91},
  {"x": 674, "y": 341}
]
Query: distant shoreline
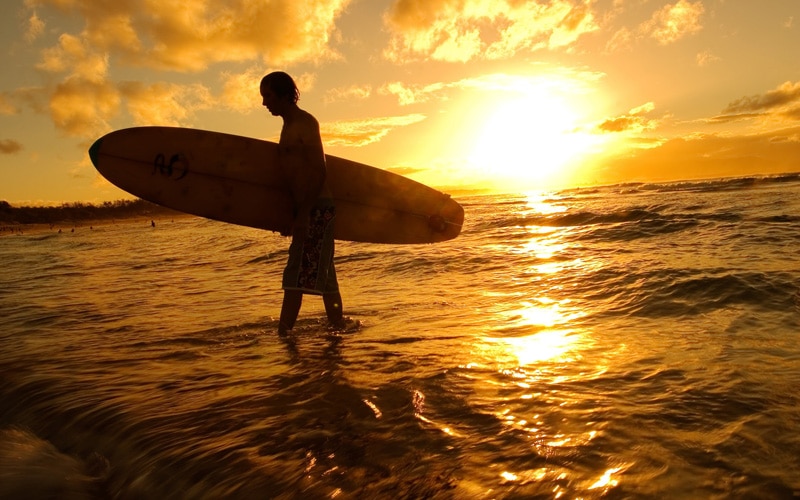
[
  {"x": 65, "y": 227},
  {"x": 71, "y": 216}
]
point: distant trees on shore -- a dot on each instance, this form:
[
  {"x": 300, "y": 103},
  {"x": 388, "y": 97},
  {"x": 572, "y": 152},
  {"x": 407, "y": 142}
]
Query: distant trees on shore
[{"x": 74, "y": 212}]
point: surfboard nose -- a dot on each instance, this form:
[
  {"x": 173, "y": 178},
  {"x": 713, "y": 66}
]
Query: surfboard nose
[{"x": 94, "y": 151}]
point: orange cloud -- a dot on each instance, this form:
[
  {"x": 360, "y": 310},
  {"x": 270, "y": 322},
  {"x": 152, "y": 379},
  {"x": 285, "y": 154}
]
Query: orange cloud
[
  {"x": 363, "y": 132},
  {"x": 781, "y": 104},
  {"x": 240, "y": 90},
  {"x": 633, "y": 121},
  {"x": 674, "y": 22},
  {"x": 462, "y": 30},
  {"x": 85, "y": 99},
  {"x": 35, "y": 28},
  {"x": 75, "y": 56},
  {"x": 667, "y": 25},
  {"x": 411, "y": 94},
  {"x": 706, "y": 58},
  {"x": 189, "y": 36},
  {"x": 353, "y": 92},
  {"x": 82, "y": 108},
  {"x": 563, "y": 78},
  {"x": 164, "y": 103},
  {"x": 786, "y": 94}
]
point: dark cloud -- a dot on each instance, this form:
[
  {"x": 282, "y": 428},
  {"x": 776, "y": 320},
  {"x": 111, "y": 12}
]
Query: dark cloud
[
  {"x": 9, "y": 146},
  {"x": 619, "y": 124},
  {"x": 786, "y": 94}
]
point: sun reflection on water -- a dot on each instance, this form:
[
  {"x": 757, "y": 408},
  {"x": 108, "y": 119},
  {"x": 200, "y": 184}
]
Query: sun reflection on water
[
  {"x": 544, "y": 203},
  {"x": 606, "y": 480},
  {"x": 547, "y": 345},
  {"x": 536, "y": 361}
]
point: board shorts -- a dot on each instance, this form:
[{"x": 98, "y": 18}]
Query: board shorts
[{"x": 309, "y": 268}]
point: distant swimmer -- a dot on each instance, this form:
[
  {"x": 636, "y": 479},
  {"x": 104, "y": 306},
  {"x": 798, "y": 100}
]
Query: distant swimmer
[{"x": 309, "y": 268}]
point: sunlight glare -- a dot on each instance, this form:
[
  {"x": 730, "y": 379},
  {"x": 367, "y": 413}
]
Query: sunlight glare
[
  {"x": 606, "y": 480},
  {"x": 532, "y": 139},
  {"x": 547, "y": 345},
  {"x": 543, "y": 203}
]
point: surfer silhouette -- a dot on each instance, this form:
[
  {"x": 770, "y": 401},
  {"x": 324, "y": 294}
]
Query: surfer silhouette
[{"x": 309, "y": 268}]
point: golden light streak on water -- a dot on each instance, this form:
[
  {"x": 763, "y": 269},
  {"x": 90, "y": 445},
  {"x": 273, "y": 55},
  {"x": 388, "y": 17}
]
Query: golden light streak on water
[
  {"x": 548, "y": 345},
  {"x": 606, "y": 480}
]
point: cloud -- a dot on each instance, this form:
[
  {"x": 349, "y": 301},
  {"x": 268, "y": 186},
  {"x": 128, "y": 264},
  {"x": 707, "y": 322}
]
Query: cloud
[
  {"x": 167, "y": 35},
  {"x": 405, "y": 171},
  {"x": 462, "y": 30},
  {"x": 621, "y": 40},
  {"x": 412, "y": 94},
  {"x": 82, "y": 108},
  {"x": 562, "y": 79},
  {"x": 781, "y": 104},
  {"x": 667, "y": 25},
  {"x": 9, "y": 146},
  {"x": 190, "y": 36},
  {"x": 35, "y": 28},
  {"x": 353, "y": 92},
  {"x": 633, "y": 121},
  {"x": 7, "y": 107},
  {"x": 674, "y": 22},
  {"x": 240, "y": 91},
  {"x": 35, "y": 98},
  {"x": 167, "y": 104},
  {"x": 83, "y": 102},
  {"x": 363, "y": 132},
  {"x": 786, "y": 94},
  {"x": 793, "y": 113},
  {"x": 78, "y": 107},
  {"x": 75, "y": 56},
  {"x": 706, "y": 58}
]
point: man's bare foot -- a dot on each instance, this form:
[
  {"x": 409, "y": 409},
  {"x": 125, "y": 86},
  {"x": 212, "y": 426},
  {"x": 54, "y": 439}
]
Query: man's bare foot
[
  {"x": 346, "y": 325},
  {"x": 283, "y": 330}
]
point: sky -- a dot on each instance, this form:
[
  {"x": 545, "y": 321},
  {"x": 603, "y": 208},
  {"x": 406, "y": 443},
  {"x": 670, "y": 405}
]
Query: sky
[{"x": 463, "y": 95}]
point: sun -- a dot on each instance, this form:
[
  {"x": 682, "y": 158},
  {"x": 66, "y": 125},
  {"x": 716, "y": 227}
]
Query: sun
[{"x": 531, "y": 138}]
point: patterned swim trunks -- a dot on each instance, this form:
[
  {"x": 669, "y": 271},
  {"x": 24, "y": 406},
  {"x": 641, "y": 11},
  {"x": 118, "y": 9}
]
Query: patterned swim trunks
[{"x": 310, "y": 266}]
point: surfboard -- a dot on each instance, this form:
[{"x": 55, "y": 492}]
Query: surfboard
[{"x": 237, "y": 179}]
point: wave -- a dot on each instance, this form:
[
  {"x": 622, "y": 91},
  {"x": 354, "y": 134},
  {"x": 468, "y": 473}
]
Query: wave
[
  {"x": 709, "y": 185},
  {"x": 33, "y": 467},
  {"x": 623, "y": 224},
  {"x": 672, "y": 293},
  {"x": 689, "y": 185}
]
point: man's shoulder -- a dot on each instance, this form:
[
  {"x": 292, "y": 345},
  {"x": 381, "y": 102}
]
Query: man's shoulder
[{"x": 306, "y": 119}]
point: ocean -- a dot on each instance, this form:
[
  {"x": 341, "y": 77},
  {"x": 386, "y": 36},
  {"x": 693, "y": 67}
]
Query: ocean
[{"x": 629, "y": 341}]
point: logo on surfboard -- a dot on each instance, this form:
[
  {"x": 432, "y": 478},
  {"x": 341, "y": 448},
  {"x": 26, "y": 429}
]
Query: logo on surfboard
[{"x": 177, "y": 165}]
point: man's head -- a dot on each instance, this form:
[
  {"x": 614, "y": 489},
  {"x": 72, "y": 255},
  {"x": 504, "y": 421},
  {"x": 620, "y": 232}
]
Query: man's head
[{"x": 282, "y": 85}]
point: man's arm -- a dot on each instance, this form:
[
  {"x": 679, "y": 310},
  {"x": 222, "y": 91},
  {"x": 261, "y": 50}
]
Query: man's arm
[
  {"x": 304, "y": 165},
  {"x": 310, "y": 178}
]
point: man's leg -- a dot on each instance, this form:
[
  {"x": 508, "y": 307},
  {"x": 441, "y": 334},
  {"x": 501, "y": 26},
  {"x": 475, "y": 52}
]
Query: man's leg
[
  {"x": 333, "y": 308},
  {"x": 292, "y": 300}
]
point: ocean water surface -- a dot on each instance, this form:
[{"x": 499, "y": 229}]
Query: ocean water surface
[{"x": 630, "y": 341}]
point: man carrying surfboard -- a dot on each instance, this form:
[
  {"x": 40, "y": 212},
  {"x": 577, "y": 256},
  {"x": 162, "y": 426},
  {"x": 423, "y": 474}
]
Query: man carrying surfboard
[{"x": 309, "y": 269}]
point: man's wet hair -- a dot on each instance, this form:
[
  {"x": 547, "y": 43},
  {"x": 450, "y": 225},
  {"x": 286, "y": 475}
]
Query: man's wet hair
[{"x": 282, "y": 84}]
